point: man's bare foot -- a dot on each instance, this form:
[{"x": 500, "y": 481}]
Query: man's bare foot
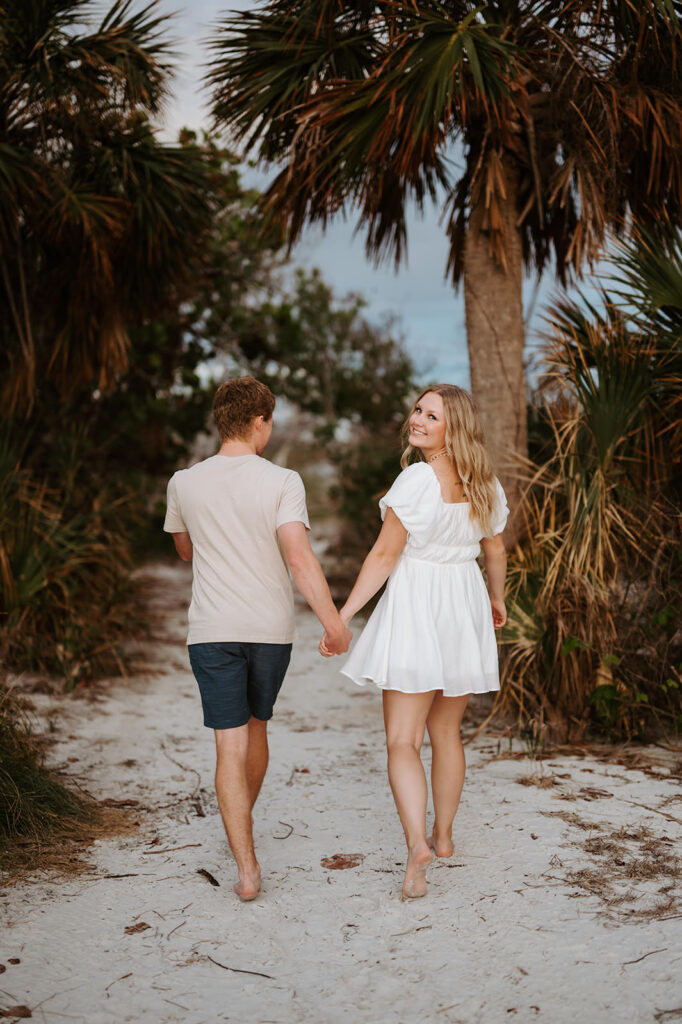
[
  {"x": 441, "y": 847},
  {"x": 418, "y": 860},
  {"x": 248, "y": 886}
]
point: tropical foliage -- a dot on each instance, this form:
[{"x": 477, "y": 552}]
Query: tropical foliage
[
  {"x": 569, "y": 115},
  {"x": 596, "y": 602},
  {"x": 325, "y": 357},
  {"x": 68, "y": 601},
  {"x": 99, "y": 221},
  {"x": 101, "y": 227}
]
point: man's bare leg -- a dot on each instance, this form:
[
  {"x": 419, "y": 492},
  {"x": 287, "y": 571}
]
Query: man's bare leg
[
  {"x": 257, "y": 757},
  {"x": 234, "y": 800}
]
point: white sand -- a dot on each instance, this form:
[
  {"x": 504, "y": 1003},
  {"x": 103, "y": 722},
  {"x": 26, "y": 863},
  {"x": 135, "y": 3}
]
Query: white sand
[{"x": 503, "y": 935}]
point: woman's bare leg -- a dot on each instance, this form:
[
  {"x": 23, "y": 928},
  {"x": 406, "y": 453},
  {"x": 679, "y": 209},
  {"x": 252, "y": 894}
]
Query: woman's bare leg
[
  {"x": 405, "y": 717},
  {"x": 448, "y": 766}
]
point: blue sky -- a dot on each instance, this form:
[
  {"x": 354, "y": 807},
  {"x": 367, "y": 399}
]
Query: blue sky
[{"x": 430, "y": 312}]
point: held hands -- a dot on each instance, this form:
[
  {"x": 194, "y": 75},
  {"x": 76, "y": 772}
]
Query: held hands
[
  {"x": 335, "y": 642},
  {"x": 499, "y": 613}
]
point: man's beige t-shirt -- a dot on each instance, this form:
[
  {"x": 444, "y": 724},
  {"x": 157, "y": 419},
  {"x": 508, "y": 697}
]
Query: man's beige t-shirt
[{"x": 232, "y": 506}]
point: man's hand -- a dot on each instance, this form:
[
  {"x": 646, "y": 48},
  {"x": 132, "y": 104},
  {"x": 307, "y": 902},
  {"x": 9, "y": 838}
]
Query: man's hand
[{"x": 336, "y": 642}]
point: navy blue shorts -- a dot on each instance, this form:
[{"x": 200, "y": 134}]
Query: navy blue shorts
[{"x": 238, "y": 681}]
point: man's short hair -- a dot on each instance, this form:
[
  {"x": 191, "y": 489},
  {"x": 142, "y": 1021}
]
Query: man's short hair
[{"x": 236, "y": 404}]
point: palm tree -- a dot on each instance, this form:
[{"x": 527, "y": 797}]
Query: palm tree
[
  {"x": 568, "y": 113},
  {"x": 596, "y": 589},
  {"x": 98, "y": 220}
]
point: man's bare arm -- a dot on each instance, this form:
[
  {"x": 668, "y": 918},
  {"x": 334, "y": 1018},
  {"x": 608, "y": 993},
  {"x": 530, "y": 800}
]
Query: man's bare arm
[
  {"x": 309, "y": 578},
  {"x": 183, "y": 546}
]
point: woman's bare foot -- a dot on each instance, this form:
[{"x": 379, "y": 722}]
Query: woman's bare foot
[
  {"x": 418, "y": 860},
  {"x": 248, "y": 886},
  {"x": 441, "y": 847}
]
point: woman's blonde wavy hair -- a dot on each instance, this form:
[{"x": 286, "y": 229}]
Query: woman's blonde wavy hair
[{"x": 466, "y": 447}]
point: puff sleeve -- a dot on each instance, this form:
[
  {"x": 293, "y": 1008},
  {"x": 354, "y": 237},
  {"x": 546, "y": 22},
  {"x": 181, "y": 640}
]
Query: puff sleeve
[
  {"x": 414, "y": 498},
  {"x": 500, "y": 512}
]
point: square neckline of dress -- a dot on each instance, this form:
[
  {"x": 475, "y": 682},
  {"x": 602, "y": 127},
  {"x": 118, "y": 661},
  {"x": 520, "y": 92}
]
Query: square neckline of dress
[{"x": 440, "y": 493}]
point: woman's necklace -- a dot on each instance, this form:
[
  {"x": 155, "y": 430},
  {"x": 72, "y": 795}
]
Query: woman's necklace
[{"x": 457, "y": 483}]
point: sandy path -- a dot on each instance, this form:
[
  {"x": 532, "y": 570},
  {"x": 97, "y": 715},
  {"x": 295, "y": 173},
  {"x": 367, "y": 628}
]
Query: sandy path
[{"x": 516, "y": 926}]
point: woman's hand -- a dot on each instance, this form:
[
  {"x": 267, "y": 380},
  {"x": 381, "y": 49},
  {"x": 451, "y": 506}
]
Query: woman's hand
[
  {"x": 323, "y": 646},
  {"x": 499, "y": 613}
]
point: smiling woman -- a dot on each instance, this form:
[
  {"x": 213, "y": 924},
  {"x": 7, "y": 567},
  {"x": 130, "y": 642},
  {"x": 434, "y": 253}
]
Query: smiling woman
[
  {"x": 430, "y": 641},
  {"x": 444, "y": 422}
]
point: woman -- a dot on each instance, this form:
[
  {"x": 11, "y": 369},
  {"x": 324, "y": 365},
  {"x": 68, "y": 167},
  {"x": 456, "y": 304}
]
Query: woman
[{"x": 430, "y": 641}]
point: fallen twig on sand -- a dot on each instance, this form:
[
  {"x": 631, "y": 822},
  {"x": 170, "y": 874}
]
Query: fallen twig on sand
[
  {"x": 184, "y": 768},
  {"x": 411, "y": 931},
  {"x": 171, "y": 849},
  {"x": 655, "y": 810},
  {"x": 116, "y": 980},
  {"x": 240, "y": 970},
  {"x": 208, "y": 876},
  {"x": 286, "y": 825},
  {"x": 651, "y": 953}
]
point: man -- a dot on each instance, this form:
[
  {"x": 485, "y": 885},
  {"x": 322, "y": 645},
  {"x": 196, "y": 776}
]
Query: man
[{"x": 240, "y": 519}]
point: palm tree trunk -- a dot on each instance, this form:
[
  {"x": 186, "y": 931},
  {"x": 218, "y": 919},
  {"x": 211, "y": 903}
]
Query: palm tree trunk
[{"x": 495, "y": 337}]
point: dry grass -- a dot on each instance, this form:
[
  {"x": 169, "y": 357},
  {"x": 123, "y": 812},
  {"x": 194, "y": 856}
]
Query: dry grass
[
  {"x": 539, "y": 780},
  {"x": 64, "y": 850},
  {"x": 45, "y": 823},
  {"x": 574, "y": 819},
  {"x": 625, "y": 866}
]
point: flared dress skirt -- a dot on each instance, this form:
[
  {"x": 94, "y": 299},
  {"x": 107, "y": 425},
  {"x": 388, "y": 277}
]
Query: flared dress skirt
[{"x": 432, "y": 629}]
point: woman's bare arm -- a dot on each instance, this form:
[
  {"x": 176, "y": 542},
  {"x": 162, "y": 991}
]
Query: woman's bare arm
[
  {"x": 378, "y": 565},
  {"x": 495, "y": 557}
]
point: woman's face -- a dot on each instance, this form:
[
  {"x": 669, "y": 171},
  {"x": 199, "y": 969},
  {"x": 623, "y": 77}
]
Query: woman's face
[{"x": 427, "y": 424}]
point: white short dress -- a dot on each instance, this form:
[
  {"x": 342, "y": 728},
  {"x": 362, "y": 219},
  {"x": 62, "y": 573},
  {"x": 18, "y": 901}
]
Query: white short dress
[{"x": 432, "y": 629}]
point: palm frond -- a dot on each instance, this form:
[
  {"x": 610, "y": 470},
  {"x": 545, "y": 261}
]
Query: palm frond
[
  {"x": 359, "y": 111},
  {"x": 647, "y": 274},
  {"x": 267, "y": 63}
]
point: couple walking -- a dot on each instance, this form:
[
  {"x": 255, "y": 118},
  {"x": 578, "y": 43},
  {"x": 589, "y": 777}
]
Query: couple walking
[{"x": 428, "y": 645}]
